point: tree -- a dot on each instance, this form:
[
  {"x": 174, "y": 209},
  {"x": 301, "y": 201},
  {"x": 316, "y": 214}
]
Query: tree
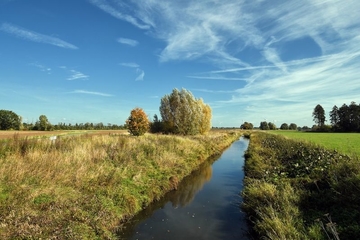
[
  {"x": 264, "y": 126},
  {"x": 284, "y": 126},
  {"x": 319, "y": 115},
  {"x": 205, "y": 123},
  {"x": 157, "y": 125},
  {"x": 334, "y": 117},
  {"x": 138, "y": 122},
  {"x": 293, "y": 126},
  {"x": 9, "y": 120},
  {"x": 247, "y": 125},
  {"x": 183, "y": 114},
  {"x": 272, "y": 126},
  {"x": 43, "y": 123}
]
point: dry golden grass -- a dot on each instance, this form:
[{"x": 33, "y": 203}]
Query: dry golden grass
[{"x": 82, "y": 187}]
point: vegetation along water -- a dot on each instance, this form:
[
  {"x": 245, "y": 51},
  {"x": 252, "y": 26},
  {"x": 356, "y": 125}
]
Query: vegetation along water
[
  {"x": 86, "y": 186},
  {"x": 204, "y": 206},
  {"x": 299, "y": 190}
]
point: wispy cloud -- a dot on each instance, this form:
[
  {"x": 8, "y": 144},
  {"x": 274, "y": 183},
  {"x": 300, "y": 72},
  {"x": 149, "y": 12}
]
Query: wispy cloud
[
  {"x": 128, "y": 41},
  {"x": 108, "y": 7},
  {"x": 141, "y": 75},
  {"x": 219, "y": 78},
  {"x": 76, "y": 75},
  {"x": 130, "y": 64},
  {"x": 34, "y": 36},
  {"x": 262, "y": 44},
  {"x": 41, "y": 67},
  {"x": 92, "y": 93}
]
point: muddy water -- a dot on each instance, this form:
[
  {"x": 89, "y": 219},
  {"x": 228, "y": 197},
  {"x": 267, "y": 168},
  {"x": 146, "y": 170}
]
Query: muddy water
[{"x": 205, "y": 205}]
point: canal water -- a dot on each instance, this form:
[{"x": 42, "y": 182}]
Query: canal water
[{"x": 206, "y": 204}]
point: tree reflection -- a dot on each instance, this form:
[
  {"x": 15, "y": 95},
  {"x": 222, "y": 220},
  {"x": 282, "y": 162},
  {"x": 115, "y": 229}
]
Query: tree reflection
[
  {"x": 190, "y": 186},
  {"x": 185, "y": 193}
]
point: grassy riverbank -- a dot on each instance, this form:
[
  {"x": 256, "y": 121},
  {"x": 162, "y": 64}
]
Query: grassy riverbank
[
  {"x": 83, "y": 187},
  {"x": 297, "y": 190}
]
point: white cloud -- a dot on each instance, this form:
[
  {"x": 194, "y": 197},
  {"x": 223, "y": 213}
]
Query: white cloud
[
  {"x": 130, "y": 64},
  {"x": 92, "y": 93},
  {"x": 41, "y": 67},
  {"x": 107, "y": 7},
  {"x": 277, "y": 85},
  {"x": 141, "y": 75},
  {"x": 76, "y": 75},
  {"x": 128, "y": 41},
  {"x": 34, "y": 36},
  {"x": 218, "y": 78}
]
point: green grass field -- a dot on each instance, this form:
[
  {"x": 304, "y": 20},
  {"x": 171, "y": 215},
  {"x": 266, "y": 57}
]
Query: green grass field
[{"x": 347, "y": 143}]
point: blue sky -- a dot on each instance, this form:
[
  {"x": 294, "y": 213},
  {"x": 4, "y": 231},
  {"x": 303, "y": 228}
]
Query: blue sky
[{"x": 95, "y": 60}]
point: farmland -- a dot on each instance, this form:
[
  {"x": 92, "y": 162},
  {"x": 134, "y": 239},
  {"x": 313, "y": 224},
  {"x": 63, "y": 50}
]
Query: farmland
[
  {"x": 347, "y": 143},
  {"x": 42, "y": 134}
]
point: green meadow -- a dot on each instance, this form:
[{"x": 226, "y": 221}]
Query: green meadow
[{"x": 348, "y": 143}]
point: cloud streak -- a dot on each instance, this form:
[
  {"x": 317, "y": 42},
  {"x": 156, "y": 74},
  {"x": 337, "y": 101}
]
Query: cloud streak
[
  {"x": 128, "y": 41},
  {"x": 141, "y": 75},
  {"x": 34, "y": 36},
  {"x": 76, "y": 75},
  {"x": 129, "y": 64},
  {"x": 107, "y": 7},
  {"x": 92, "y": 93}
]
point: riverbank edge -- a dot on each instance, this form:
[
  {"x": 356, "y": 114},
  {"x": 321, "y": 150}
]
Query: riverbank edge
[
  {"x": 298, "y": 190},
  {"x": 113, "y": 188}
]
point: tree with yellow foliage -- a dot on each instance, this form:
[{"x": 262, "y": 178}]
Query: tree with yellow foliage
[{"x": 183, "y": 114}]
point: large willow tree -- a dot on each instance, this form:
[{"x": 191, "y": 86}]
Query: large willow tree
[{"x": 183, "y": 114}]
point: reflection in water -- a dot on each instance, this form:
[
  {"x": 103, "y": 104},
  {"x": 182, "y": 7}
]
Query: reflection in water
[
  {"x": 204, "y": 206},
  {"x": 190, "y": 186},
  {"x": 184, "y": 195}
]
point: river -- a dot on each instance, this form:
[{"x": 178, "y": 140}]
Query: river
[{"x": 206, "y": 204}]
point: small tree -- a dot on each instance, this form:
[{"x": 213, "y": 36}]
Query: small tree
[
  {"x": 137, "y": 123},
  {"x": 334, "y": 116},
  {"x": 156, "y": 125},
  {"x": 293, "y": 126},
  {"x": 44, "y": 124},
  {"x": 284, "y": 126},
  {"x": 264, "y": 126},
  {"x": 319, "y": 115},
  {"x": 272, "y": 126},
  {"x": 9, "y": 120},
  {"x": 247, "y": 125}
]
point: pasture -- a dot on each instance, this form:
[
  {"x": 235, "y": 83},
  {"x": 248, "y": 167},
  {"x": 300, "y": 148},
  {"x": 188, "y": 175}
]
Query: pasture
[{"x": 347, "y": 143}]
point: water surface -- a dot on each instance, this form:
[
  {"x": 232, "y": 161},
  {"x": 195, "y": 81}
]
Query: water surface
[{"x": 205, "y": 205}]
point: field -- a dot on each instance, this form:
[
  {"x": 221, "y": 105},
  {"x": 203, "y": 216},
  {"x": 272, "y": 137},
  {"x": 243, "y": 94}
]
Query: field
[
  {"x": 347, "y": 143},
  {"x": 83, "y": 186},
  {"x": 39, "y": 134}
]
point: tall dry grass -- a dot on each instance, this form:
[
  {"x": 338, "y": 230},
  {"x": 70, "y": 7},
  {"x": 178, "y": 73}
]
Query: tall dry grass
[{"x": 83, "y": 187}]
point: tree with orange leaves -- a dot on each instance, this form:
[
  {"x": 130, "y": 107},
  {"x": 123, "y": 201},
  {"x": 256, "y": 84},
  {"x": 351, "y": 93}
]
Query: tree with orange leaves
[{"x": 138, "y": 123}]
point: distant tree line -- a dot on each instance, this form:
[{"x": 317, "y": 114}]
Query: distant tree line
[
  {"x": 343, "y": 119},
  {"x": 9, "y": 120}
]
